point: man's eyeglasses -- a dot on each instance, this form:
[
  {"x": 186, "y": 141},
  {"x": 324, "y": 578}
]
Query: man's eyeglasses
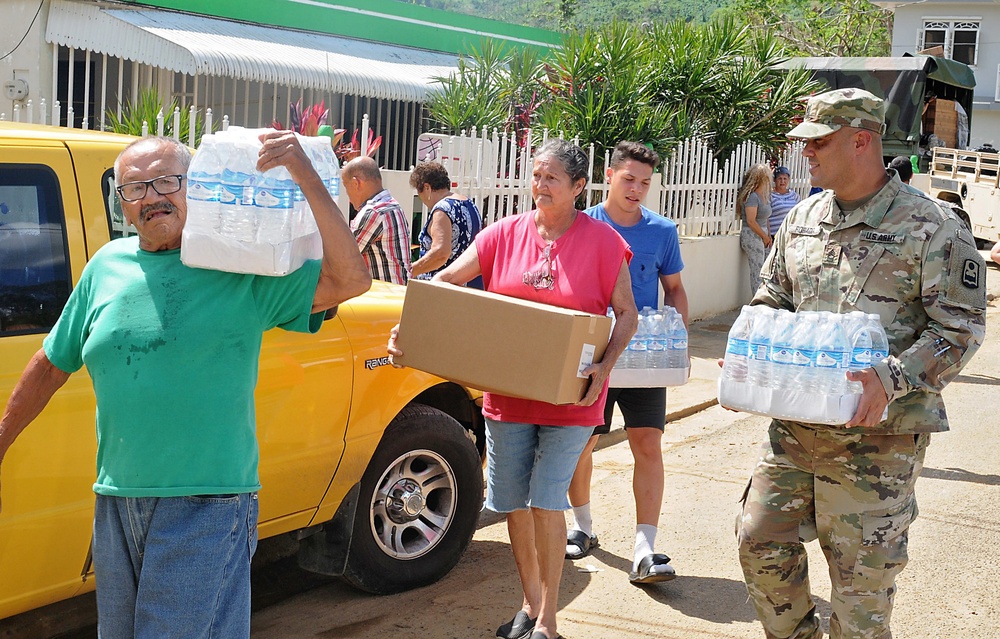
[
  {"x": 164, "y": 185},
  {"x": 544, "y": 277}
]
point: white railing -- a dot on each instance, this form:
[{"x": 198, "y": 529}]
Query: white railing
[
  {"x": 488, "y": 169},
  {"x": 692, "y": 189}
]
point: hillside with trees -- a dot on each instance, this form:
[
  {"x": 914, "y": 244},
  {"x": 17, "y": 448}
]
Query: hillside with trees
[{"x": 805, "y": 27}]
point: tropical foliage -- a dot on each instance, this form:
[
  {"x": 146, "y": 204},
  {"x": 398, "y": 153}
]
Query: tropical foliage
[
  {"x": 305, "y": 121},
  {"x": 813, "y": 28},
  {"x": 347, "y": 151},
  {"x": 657, "y": 85},
  {"x": 311, "y": 120},
  {"x": 807, "y": 27},
  {"x": 563, "y": 14},
  {"x": 145, "y": 110}
]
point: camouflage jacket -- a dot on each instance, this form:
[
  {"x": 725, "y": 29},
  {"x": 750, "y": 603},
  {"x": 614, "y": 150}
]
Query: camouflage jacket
[{"x": 906, "y": 259}]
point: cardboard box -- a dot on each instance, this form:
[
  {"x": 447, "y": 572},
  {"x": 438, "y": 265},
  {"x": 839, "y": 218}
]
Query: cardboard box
[
  {"x": 500, "y": 344},
  {"x": 648, "y": 377},
  {"x": 941, "y": 118}
]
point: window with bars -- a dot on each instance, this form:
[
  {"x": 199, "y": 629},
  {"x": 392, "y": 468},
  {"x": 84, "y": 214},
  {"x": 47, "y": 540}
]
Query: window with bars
[{"x": 958, "y": 38}]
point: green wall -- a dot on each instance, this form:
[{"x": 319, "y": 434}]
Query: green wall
[{"x": 385, "y": 21}]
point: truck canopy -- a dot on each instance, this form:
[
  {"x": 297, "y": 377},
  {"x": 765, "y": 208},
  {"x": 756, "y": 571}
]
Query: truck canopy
[{"x": 905, "y": 83}]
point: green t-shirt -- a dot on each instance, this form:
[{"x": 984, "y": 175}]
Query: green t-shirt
[{"x": 173, "y": 352}]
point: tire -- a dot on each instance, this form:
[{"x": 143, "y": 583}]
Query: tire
[{"x": 419, "y": 503}]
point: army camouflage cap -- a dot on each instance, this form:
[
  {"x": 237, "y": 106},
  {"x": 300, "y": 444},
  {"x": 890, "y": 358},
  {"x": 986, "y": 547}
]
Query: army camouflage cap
[{"x": 828, "y": 112}]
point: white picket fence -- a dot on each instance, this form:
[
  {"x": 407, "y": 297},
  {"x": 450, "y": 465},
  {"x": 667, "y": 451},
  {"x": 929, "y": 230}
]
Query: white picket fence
[
  {"x": 692, "y": 189},
  {"x": 492, "y": 169}
]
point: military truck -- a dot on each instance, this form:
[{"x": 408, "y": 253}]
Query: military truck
[
  {"x": 970, "y": 181},
  {"x": 910, "y": 85}
]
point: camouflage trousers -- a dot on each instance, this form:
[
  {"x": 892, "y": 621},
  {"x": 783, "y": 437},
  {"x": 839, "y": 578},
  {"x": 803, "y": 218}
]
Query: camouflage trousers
[{"x": 852, "y": 491}]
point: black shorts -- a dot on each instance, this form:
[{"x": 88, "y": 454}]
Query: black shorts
[{"x": 641, "y": 408}]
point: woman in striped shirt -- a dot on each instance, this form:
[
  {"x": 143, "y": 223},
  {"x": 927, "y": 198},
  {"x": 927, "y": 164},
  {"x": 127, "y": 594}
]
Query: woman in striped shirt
[{"x": 782, "y": 200}]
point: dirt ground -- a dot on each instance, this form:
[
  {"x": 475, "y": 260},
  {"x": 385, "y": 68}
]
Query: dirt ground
[{"x": 947, "y": 591}]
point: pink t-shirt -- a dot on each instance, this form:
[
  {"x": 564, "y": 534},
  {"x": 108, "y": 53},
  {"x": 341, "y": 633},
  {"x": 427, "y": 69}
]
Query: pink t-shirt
[{"x": 584, "y": 264}]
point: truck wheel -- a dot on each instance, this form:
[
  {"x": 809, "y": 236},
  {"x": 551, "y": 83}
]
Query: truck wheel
[{"x": 418, "y": 506}]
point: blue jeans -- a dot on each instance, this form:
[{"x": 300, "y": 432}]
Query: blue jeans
[{"x": 174, "y": 566}]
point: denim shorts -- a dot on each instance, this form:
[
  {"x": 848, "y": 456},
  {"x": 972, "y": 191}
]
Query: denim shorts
[
  {"x": 174, "y": 566},
  {"x": 531, "y": 466}
]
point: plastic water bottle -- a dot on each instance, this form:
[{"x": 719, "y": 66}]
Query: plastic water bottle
[
  {"x": 880, "y": 343},
  {"x": 677, "y": 339},
  {"x": 641, "y": 340},
  {"x": 321, "y": 154},
  {"x": 860, "y": 337},
  {"x": 734, "y": 367},
  {"x": 237, "y": 214},
  {"x": 782, "y": 350},
  {"x": 759, "y": 364},
  {"x": 804, "y": 339},
  {"x": 657, "y": 353},
  {"x": 204, "y": 187},
  {"x": 274, "y": 199},
  {"x": 833, "y": 352}
]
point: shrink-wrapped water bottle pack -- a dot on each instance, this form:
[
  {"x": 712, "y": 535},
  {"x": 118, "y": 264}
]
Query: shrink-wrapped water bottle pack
[
  {"x": 794, "y": 365},
  {"x": 657, "y": 355},
  {"x": 241, "y": 220}
]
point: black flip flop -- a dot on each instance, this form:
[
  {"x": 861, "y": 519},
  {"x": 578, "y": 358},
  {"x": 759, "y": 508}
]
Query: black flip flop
[
  {"x": 644, "y": 573},
  {"x": 520, "y": 627},
  {"x": 582, "y": 542},
  {"x": 538, "y": 634}
]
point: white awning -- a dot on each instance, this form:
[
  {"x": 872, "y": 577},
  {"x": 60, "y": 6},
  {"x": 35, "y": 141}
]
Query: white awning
[{"x": 202, "y": 46}]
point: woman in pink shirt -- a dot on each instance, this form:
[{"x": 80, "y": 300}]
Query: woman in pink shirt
[{"x": 555, "y": 255}]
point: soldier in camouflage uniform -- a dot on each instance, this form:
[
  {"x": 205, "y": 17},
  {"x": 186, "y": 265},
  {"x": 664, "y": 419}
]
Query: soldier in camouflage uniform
[{"x": 868, "y": 243}]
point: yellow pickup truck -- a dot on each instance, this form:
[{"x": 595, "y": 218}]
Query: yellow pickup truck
[{"x": 375, "y": 471}]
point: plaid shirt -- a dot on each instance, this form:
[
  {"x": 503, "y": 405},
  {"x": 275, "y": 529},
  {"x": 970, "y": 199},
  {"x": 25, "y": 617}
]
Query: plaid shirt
[{"x": 383, "y": 238}]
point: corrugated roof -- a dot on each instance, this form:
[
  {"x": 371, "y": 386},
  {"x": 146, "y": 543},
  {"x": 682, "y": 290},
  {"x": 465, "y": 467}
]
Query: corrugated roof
[{"x": 197, "y": 45}]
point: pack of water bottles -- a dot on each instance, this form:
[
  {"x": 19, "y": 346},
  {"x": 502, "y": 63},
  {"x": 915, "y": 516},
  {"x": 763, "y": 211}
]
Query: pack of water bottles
[
  {"x": 657, "y": 355},
  {"x": 243, "y": 221},
  {"x": 794, "y": 365}
]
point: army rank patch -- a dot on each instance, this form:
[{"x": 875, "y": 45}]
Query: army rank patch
[{"x": 971, "y": 274}]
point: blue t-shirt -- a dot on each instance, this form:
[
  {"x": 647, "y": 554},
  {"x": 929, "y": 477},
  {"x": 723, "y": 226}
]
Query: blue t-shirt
[
  {"x": 172, "y": 352},
  {"x": 656, "y": 251}
]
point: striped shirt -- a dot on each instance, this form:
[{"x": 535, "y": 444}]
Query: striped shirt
[
  {"x": 383, "y": 238},
  {"x": 781, "y": 204}
]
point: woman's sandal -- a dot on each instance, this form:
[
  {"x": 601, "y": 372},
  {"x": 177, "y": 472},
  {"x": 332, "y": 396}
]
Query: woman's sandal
[
  {"x": 520, "y": 627},
  {"x": 582, "y": 543}
]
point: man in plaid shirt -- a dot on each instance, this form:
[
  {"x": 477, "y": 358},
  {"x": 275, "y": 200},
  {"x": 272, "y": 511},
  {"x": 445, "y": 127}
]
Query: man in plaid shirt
[{"x": 380, "y": 226}]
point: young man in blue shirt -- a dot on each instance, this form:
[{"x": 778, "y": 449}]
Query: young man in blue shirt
[{"x": 656, "y": 261}]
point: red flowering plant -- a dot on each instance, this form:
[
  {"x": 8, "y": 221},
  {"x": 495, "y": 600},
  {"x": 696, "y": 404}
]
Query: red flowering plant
[
  {"x": 346, "y": 151},
  {"x": 305, "y": 122},
  {"x": 312, "y": 121}
]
